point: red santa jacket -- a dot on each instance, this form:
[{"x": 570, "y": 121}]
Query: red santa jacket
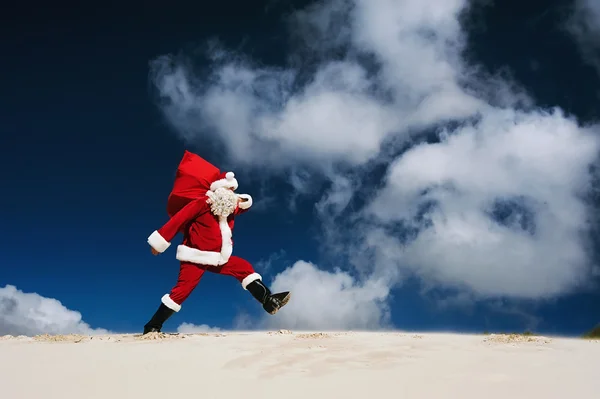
[{"x": 207, "y": 239}]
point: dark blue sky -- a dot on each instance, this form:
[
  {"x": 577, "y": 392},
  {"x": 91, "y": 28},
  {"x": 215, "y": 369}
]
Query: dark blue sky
[{"x": 87, "y": 160}]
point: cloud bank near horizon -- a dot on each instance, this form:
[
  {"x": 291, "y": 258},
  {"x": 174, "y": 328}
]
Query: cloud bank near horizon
[
  {"x": 493, "y": 207},
  {"x": 31, "y": 314}
]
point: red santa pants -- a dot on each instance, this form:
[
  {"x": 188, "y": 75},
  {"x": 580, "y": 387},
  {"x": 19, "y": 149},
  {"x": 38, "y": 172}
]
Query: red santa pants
[{"x": 191, "y": 273}]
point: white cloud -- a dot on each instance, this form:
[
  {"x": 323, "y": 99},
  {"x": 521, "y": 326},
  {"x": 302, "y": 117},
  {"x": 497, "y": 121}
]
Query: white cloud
[
  {"x": 536, "y": 160},
  {"x": 328, "y": 300},
  {"x": 585, "y": 26},
  {"x": 401, "y": 75},
  {"x": 32, "y": 314},
  {"x": 188, "y": 328},
  {"x": 340, "y": 113}
]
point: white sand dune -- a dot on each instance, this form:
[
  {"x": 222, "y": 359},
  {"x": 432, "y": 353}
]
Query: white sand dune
[{"x": 282, "y": 364}]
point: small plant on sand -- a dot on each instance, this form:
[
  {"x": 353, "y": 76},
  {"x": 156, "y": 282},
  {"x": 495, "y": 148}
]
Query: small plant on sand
[
  {"x": 594, "y": 333},
  {"x": 526, "y": 333}
]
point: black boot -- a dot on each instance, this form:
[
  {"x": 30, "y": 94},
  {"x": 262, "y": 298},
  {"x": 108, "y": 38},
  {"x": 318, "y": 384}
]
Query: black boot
[
  {"x": 156, "y": 322},
  {"x": 271, "y": 302}
]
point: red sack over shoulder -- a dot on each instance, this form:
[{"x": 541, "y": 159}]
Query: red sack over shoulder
[
  {"x": 192, "y": 180},
  {"x": 194, "y": 177}
]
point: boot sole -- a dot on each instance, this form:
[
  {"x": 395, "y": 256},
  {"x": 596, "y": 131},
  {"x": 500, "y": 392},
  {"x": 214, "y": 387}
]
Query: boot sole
[{"x": 283, "y": 303}]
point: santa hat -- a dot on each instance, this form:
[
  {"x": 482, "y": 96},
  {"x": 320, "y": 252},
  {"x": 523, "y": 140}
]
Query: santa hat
[
  {"x": 195, "y": 176},
  {"x": 226, "y": 180}
]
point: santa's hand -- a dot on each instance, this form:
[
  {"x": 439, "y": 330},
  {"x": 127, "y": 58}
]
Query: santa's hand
[
  {"x": 154, "y": 251},
  {"x": 244, "y": 201}
]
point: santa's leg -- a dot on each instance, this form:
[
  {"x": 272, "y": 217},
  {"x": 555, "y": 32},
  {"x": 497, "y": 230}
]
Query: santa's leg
[
  {"x": 189, "y": 277},
  {"x": 251, "y": 281}
]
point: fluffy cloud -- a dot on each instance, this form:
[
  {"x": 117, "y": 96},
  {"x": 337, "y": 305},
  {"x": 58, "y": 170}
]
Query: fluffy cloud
[
  {"x": 493, "y": 205},
  {"x": 188, "y": 328},
  {"x": 341, "y": 113},
  {"x": 329, "y": 300},
  {"x": 31, "y": 314},
  {"x": 497, "y": 205}
]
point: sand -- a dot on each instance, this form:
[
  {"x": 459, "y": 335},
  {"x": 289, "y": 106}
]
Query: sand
[{"x": 285, "y": 364}]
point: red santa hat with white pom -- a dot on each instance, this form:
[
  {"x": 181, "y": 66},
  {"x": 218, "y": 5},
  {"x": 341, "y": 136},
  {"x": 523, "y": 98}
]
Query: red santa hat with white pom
[{"x": 224, "y": 180}]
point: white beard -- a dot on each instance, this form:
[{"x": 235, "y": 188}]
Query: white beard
[{"x": 222, "y": 201}]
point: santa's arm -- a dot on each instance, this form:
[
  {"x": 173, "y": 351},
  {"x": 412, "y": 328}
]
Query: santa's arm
[
  {"x": 160, "y": 239},
  {"x": 243, "y": 205}
]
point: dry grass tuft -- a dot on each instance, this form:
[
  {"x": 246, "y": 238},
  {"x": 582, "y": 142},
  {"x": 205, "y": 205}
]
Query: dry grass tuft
[
  {"x": 76, "y": 338},
  {"x": 515, "y": 338},
  {"x": 280, "y": 332},
  {"x": 158, "y": 336},
  {"x": 313, "y": 336}
]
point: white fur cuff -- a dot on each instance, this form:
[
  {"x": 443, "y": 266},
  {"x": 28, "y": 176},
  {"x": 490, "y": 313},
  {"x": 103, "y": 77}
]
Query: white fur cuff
[
  {"x": 249, "y": 279},
  {"x": 171, "y": 304},
  {"x": 157, "y": 242},
  {"x": 245, "y": 204}
]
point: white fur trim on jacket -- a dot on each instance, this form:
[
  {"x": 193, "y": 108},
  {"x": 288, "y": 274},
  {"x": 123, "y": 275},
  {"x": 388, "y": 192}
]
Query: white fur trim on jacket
[
  {"x": 171, "y": 304},
  {"x": 157, "y": 242},
  {"x": 229, "y": 181},
  {"x": 189, "y": 254},
  {"x": 252, "y": 277},
  {"x": 245, "y": 204}
]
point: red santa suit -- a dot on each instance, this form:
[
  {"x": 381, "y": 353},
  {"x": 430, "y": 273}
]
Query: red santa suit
[{"x": 207, "y": 239}]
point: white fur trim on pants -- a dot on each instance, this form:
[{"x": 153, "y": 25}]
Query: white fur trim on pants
[
  {"x": 171, "y": 304},
  {"x": 157, "y": 242},
  {"x": 252, "y": 277}
]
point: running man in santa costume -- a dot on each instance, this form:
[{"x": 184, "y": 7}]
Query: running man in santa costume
[{"x": 203, "y": 206}]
